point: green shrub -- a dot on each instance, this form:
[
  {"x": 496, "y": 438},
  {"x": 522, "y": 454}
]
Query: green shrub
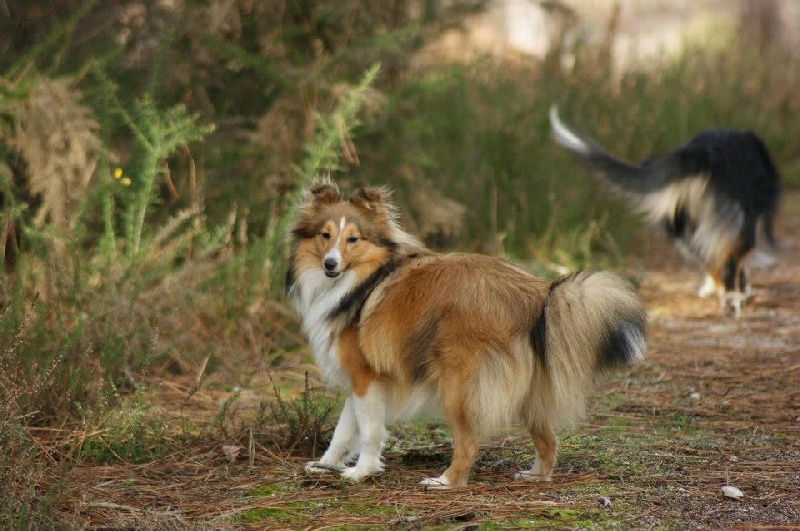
[
  {"x": 30, "y": 366},
  {"x": 128, "y": 433},
  {"x": 305, "y": 421}
]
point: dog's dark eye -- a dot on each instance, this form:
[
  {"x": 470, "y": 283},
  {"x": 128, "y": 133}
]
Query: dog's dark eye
[
  {"x": 352, "y": 239},
  {"x": 326, "y": 235}
]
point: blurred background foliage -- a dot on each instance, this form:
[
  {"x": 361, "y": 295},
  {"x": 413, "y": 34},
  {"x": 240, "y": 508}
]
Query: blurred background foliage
[{"x": 151, "y": 151}]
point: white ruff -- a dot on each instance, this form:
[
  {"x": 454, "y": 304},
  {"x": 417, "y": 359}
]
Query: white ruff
[{"x": 314, "y": 296}]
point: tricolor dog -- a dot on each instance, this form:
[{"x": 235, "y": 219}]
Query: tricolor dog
[{"x": 713, "y": 196}]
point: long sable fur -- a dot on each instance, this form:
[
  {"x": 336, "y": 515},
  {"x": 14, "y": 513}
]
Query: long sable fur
[{"x": 490, "y": 343}]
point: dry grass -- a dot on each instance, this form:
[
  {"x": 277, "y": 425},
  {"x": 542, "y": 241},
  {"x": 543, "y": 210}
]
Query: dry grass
[{"x": 58, "y": 138}]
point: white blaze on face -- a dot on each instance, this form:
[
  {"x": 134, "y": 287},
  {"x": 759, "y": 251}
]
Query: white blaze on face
[{"x": 335, "y": 253}]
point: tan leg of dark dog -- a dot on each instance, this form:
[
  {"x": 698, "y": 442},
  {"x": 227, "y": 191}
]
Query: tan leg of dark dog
[
  {"x": 712, "y": 285},
  {"x": 734, "y": 275}
]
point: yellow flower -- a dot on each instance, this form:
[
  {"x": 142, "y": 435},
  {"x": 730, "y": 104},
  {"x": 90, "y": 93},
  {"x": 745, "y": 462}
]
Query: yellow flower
[
  {"x": 117, "y": 173},
  {"x": 126, "y": 181}
]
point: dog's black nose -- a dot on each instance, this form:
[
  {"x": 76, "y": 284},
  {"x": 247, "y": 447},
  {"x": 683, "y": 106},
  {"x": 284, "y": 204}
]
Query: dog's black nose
[{"x": 330, "y": 264}]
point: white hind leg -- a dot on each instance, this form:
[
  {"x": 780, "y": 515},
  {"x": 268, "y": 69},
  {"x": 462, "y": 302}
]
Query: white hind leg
[{"x": 736, "y": 284}]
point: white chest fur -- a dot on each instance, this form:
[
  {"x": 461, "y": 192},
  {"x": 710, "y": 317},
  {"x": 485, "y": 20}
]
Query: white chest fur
[{"x": 315, "y": 296}]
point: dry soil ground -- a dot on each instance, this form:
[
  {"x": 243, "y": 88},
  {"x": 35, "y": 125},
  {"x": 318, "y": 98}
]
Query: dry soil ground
[{"x": 717, "y": 403}]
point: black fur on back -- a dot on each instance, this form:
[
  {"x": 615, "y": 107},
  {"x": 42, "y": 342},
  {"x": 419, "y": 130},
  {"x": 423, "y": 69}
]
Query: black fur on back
[{"x": 738, "y": 165}]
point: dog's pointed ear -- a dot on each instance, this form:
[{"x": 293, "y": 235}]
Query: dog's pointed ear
[
  {"x": 377, "y": 200},
  {"x": 315, "y": 197},
  {"x": 322, "y": 192}
]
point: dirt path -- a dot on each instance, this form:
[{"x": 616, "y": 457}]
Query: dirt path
[
  {"x": 716, "y": 403},
  {"x": 731, "y": 388}
]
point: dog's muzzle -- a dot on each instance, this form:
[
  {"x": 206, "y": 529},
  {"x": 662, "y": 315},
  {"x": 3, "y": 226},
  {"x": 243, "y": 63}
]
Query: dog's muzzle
[{"x": 331, "y": 268}]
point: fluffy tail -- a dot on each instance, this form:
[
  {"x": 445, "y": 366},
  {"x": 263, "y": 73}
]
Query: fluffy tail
[
  {"x": 625, "y": 176},
  {"x": 592, "y": 322}
]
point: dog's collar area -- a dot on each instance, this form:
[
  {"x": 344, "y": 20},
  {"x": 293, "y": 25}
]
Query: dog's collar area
[{"x": 351, "y": 304}]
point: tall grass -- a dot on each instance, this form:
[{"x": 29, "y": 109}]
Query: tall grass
[{"x": 480, "y": 134}]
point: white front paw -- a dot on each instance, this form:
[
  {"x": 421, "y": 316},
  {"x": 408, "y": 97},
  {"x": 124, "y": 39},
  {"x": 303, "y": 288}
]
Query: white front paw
[
  {"x": 359, "y": 472},
  {"x": 733, "y": 299},
  {"x": 436, "y": 483},
  {"x": 317, "y": 467}
]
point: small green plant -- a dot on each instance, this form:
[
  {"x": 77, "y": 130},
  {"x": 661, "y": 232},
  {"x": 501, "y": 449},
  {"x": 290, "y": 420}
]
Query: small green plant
[
  {"x": 305, "y": 420},
  {"x": 128, "y": 433},
  {"x": 158, "y": 133},
  {"x": 28, "y": 495},
  {"x": 25, "y": 400}
]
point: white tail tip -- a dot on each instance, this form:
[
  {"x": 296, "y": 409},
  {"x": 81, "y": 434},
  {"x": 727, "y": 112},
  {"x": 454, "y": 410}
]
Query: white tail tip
[{"x": 564, "y": 136}]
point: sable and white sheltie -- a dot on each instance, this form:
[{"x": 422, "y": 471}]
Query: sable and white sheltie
[
  {"x": 478, "y": 339},
  {"x": 713, "y": 195}
]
